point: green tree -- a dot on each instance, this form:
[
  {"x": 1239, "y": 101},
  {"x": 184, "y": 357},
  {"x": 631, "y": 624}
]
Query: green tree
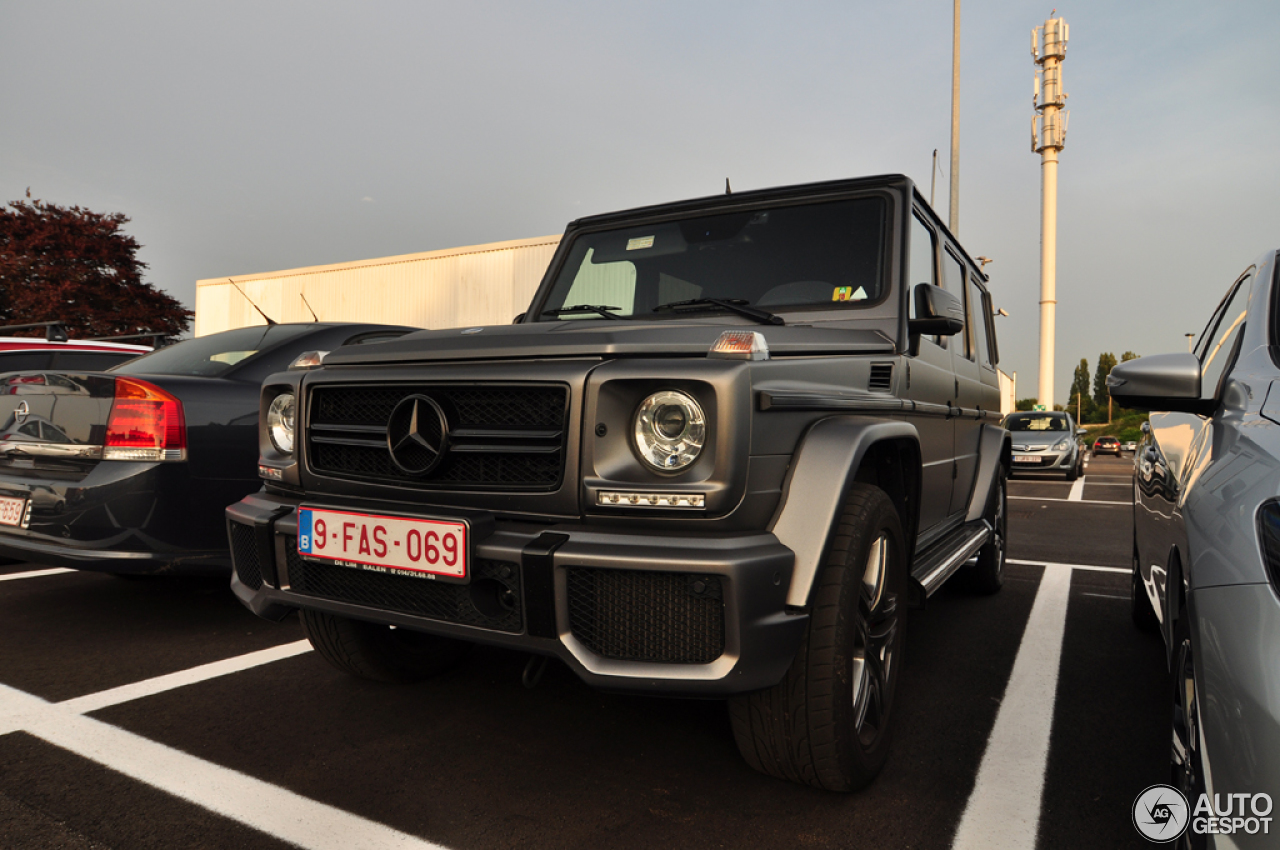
[
  {"x": 1127, "y": 356},
  {"x": 1025, "y": 404},
  {"x": 1106, "y": 362}
]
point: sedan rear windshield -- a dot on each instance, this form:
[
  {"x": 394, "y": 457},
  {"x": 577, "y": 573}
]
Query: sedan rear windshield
[
  {"x": 1036, "y": 423},
  {"x": 213, "y": 355},
  {"x": 826, "y": 254}
]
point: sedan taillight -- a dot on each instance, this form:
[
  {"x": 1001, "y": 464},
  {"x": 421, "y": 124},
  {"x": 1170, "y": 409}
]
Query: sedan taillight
[{"x": 146, "y": 423}]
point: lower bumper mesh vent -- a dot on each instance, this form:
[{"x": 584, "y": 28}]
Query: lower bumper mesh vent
[
  {"x": 244, "y": 555},
  {"x": 634, "y": 615}
]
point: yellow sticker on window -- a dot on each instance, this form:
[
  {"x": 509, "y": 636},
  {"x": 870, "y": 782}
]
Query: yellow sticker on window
[
  {"x": 639, "y": 242},
  {"x": 848, "y": 293}
]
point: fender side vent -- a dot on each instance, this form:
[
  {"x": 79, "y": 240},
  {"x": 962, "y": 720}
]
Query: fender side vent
[{"x": 881, "y": 379}]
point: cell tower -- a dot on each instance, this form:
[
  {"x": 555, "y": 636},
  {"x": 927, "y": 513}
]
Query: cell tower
[{"x": 1048, "y": 136}]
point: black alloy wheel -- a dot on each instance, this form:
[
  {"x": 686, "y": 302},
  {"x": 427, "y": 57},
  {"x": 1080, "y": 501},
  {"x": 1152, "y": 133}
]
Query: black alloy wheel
[
  {"x": 987, "y": 575},
  {"x": 827, "y": 723}
]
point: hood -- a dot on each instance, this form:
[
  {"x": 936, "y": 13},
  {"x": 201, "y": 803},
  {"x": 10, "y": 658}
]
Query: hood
[
  {"x": 605, "y": 338},
  {"x": 1038, "y": 438}
]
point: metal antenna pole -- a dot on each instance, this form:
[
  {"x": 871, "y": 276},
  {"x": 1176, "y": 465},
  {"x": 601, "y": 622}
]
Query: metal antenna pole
[
  {"x": 1048, "y": 136},
  {"x": 954, "y": 220}
]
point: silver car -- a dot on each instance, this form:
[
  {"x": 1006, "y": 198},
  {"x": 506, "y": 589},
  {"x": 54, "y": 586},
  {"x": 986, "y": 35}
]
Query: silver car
[
  {"x": 1045, "y": 441},
  {"x": 1206, "y": 549}
]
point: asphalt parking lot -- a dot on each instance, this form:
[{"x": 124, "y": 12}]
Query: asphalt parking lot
[{"x": 160, "y": 714}]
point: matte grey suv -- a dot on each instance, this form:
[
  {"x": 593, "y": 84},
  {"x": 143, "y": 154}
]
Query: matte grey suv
[
  {"x": 728, "y": 444},
  {"x": 1206, "y": 548}
]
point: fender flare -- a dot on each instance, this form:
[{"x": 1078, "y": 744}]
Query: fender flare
[
  {"x": 995, "y": 448},
  {"x": 825, "y": 464}
]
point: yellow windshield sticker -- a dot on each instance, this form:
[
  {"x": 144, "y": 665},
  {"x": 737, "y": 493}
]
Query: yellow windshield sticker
[
  {"x": 848, "y": 293},
  {"x": 639, "y": 242}
]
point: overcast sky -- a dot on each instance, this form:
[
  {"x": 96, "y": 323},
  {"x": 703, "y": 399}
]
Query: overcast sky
[{"x": 245, "y": 137}]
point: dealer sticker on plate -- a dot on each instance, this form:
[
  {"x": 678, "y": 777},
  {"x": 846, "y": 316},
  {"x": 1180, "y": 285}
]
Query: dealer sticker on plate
[{"x": 424, "y": 548}]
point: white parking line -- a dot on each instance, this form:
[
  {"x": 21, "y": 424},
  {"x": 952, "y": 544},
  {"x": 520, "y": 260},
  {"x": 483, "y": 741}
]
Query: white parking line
[
  {"x": 1055, "y": 565},
  {"x": 1004, "y": 808},
  {"x": 34, "y": 574},
  {"x": 147, "y": 687},
  {"x": 1077, "y": 490},
  {"x": 260, "y": 805},
  {"x": 272, "y": 810},
  {"x": 1082, "y": 501}
]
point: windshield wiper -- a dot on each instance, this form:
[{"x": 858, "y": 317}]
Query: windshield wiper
[
  {"x": 737, "y": 305},
  {"x": 607, "y": 312}
]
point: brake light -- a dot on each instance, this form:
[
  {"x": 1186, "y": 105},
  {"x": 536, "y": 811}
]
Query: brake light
[{"x": 146, "y": 423}]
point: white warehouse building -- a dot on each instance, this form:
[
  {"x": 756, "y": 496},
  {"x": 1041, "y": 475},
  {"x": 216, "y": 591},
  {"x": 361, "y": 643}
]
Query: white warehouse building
[{"x": 457, "y": 287}]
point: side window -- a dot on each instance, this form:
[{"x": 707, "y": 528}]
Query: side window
[
  {"x": 1218, "y": 342},
  {"x": 921, "y": 266},
  {"x": 978, "y": 316},
  {"x": 953, "y": 281},
  {"x": 21, "y": 361},
  {"x": 989, "y": 312}
]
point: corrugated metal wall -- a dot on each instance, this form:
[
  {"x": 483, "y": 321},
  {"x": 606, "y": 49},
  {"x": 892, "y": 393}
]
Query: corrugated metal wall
[{"x": 459, "y": 287}]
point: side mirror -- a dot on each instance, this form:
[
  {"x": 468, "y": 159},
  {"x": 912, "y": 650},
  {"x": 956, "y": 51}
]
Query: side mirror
[
  {"x": 1160, "y": 382},
  {"x": 1146, "y": 427},
  {"x": 518, "y": 319},
  {"x": 938, "y": 311},
  {"x": 1080, "y": 432}
]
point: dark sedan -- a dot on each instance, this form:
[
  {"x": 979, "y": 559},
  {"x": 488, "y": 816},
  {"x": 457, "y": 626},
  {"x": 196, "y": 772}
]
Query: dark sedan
[
  {"x": 1106, "y": 446},
  {"x": 129, "y": 470}
]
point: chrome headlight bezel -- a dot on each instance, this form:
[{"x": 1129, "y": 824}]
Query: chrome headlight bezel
[
  {"x": 669, "y": 430},
  {"x": 281, "y": 422},
  {"x": 1062, "y": 445}
]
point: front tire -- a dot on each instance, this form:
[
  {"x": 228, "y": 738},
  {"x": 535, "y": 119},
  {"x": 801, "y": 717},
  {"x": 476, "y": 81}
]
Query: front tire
[
  {"x": 380, "y": 653},
  {"x": 827, "y": 723}
]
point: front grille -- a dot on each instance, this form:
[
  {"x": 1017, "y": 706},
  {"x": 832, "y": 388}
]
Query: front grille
[
  {"x": 504, "y": 437},
  {"x": 633, "y": 615},
  {"x": 244, "y": 555},
  {"x": 492, "y": 599}
]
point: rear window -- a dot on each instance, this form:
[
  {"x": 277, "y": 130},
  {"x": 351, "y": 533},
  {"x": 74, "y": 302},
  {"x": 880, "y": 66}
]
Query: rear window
[
  {"x": 1036, "y": 423},
  {"x": 213, "y": 355}
]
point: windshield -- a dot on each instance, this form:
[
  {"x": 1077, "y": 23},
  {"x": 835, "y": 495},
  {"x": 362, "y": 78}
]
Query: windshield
[
  {"x": 212, "y": 355},
  {"x": 1036, "y": 423},
  {"x": 828, "y": 254}
]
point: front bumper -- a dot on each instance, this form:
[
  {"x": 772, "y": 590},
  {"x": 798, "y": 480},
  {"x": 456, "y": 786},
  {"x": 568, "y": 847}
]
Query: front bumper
[
  {"x": 694, "y": 616},
  {"x": 1043, "y": 461}
]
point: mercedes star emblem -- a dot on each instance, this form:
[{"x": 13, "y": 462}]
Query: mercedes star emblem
[
  {"x": 22, "y": 412},
  {"x": 417, "y": 434}
]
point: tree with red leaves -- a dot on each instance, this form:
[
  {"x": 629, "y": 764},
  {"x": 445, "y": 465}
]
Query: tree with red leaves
[{"x": 75, "y": 266}]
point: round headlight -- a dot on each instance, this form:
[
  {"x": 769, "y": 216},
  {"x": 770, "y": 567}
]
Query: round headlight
[
  {"x": 280, "y": 423},
  {"x": 670, "y": 430}
]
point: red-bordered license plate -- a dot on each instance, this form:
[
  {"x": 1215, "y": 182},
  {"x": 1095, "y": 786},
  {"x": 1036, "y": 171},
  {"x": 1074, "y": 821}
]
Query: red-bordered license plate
[
  {"x": 11, "y": 510},
  {"x": 412, "y": 546}
]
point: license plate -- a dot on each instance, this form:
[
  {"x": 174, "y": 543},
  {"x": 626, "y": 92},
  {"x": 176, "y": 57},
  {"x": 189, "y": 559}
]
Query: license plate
[
  {"x": 423, "y": 548},
  {"x": 11, "y": 510},
  {"x": 1026, "y": 459}
]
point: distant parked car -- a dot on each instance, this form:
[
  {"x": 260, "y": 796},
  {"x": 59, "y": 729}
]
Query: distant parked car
[
  {"x": 1131, "y": 446},
  {"x": 1206, "y": 548},
  {"x": 1106, "y": 446},
  {"x": 1045, "y": 442},
  {"x": 129, "y": 470}
]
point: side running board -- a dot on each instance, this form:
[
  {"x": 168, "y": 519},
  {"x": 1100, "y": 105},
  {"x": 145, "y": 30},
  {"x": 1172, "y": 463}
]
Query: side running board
[{"x": 948, "y": 555}]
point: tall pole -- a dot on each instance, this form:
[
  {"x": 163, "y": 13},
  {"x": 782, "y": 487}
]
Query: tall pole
[
  {"x": 954, "y": 220},
  {"x": 1048, "y": 136}
]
